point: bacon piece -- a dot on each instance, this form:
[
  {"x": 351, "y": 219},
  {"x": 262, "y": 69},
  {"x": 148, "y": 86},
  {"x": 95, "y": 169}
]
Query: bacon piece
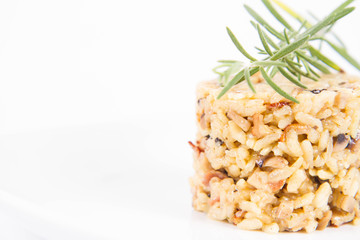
[
  {"x": 272, "y": 106},
  {"x": 196, "y": 148}
]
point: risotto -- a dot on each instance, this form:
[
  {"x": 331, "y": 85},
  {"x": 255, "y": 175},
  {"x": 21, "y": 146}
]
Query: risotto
[{"x": 264, "y": 163}]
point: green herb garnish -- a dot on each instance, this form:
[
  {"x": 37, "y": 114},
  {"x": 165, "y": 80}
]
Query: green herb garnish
[{"x": 292, "y": 54}]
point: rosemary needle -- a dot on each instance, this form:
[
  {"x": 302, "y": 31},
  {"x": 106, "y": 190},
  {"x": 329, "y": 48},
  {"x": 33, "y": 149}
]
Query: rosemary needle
[{"x": 293, "y": 56}]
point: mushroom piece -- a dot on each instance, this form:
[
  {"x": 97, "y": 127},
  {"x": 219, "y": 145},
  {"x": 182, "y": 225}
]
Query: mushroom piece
[
  {"x": 299, "y": 129},
  {"x": 208, "y": 176},
  {"x": 276, "y": 186},
  {"x": 275, "y": 162},
  {"x": 354, "y": 144},
  {"x": 239, "y": 120},
  {"x": 259, "y": 129},
  {"x": 340, "y": 217},
  {"x": 258, "y": 179},
  {"x": 341, "y": 142}
]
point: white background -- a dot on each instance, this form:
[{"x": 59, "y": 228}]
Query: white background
[
  {"x": 76, "y": 63},
  {"x": 81, "y": 62}
]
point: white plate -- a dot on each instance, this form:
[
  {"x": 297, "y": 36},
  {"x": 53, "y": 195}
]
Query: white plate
[{"x": 114, "y": 181}]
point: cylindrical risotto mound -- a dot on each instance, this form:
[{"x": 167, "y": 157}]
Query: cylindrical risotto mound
[{"x": 263, "y": 162}]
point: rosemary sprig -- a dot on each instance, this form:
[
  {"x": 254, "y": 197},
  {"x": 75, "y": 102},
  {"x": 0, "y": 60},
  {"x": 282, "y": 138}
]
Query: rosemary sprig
[{"x": 292, "y": 56}]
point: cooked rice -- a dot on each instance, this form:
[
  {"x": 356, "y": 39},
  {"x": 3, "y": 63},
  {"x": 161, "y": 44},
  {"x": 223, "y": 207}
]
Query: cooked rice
[{"x": 263, "y": 162}]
